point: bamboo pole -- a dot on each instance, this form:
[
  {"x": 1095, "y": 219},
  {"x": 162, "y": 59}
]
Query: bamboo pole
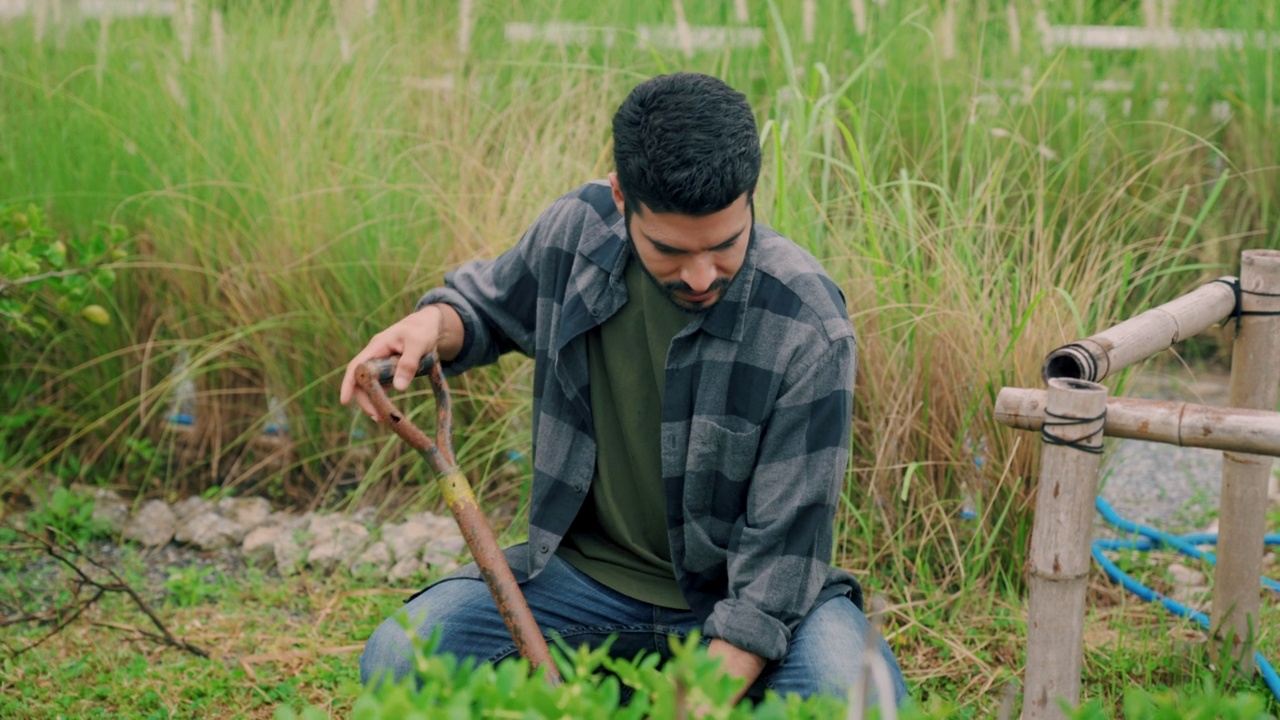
[
  {"x": 683, "y": 32},
  {"x": 1170, "y": 422},
  {"x": 466, "y": 26},
  {"x": 1060, "y": 546},
  {"x": 859, "y": 8},
  {"x": 1015, "y": 30},
  {"x": 947, "y": 31},
  {"x": 1255, "y": 377},
  {"x": 1140, "y": 337}
]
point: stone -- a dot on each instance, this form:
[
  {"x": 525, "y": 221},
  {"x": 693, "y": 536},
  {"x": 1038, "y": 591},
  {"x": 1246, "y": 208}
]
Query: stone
[
  {"x": 248, "y": 513},
  {"x": 153, "y": 525},
  {"x": 406, "y": 570},
  {"x": 1185, "y": 576},
  {"x": 437, "y": 524},
  {"x": 374, "y": 561},
  {"x": 445, "y": 552},
  {"x": 320, "y": 528},
  {"x": 209, "y": 531},
  {"x": 406, "y": 540},
  {"x": 259, "y": 546},
  {"x": 110, "y": 510},
  {"x": 1193, "y": 596},
  {"x": 340, "y": 543},
  {"x": 189, "y": 507},
  {"x": 365, "y": 515},
  {"x": 323, "y": 558},
  {"x": 288, "y": 553}
]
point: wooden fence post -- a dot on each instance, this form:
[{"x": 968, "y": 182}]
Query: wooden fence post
[
  {"x": 1255, "y": 377},
  {"x": 1075, "y": 414}
]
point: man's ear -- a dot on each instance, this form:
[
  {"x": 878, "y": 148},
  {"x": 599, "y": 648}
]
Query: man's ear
[{"x": 617, "y": 193}]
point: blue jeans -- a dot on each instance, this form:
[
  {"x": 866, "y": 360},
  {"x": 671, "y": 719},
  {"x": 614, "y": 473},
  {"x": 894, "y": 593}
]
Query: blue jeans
[{"x": 824, "y": 656}]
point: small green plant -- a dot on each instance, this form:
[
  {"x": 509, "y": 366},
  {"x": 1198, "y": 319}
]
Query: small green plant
[
  {"x": 193, "y": 585},
  {"x": 1206, "y": 702},
  {"x": 69, "y": 514}
]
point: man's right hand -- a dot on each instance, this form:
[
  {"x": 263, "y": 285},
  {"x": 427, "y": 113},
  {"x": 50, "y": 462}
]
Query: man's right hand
[{"x": 434, "y": 327}]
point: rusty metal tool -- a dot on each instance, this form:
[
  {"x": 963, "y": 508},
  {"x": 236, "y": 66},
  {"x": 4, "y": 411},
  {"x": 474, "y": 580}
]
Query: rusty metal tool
[{"x": 482, "y": 542}]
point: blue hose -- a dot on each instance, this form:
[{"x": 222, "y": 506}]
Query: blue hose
[{"x": 1151, "y": 538}]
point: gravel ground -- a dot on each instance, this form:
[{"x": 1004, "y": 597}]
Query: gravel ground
[{"x": 1171, "y": 488}]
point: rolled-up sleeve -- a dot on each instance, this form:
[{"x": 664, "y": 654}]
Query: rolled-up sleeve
[
  {"x": 780, "y": 549},
  {"x": 497, "y": 301}
]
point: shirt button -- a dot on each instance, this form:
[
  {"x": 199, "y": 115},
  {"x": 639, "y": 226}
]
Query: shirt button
[
  {"x": 577, "y": 487},
  {"x": 543, "y": 549}
]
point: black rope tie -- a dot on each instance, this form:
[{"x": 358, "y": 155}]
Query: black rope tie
[
  {"x": 1238, "y": 311},
  {"x": 1064, "y": 421}
]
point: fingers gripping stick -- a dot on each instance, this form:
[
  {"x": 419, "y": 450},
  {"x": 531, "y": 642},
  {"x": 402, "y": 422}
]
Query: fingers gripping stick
[{"x": 480, "y": 538}]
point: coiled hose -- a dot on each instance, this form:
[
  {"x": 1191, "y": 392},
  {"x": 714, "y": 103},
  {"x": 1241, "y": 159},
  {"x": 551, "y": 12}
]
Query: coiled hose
[{"x": 1150, "y": 539}]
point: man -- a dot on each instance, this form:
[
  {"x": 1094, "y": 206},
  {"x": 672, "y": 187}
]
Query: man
[{"x": 693, "y": 392}]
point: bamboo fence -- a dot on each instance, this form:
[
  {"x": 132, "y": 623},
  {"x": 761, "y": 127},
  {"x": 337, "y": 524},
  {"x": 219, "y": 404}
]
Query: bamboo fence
[{"x": 1074, "y": 414}]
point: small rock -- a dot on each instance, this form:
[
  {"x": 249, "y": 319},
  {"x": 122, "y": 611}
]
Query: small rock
[
  {"x": 321, "y": 528},
  {"x": 375, "y": 561},
  {"x": 288, "y": 521},
  {"x": 209, "y": 531},
  {"x": 323, "y": 558},
  {"x": 1185, "y": 576},
  {"x": 288, "y": 554},
  {"x": 1193, "y": 596},
  {"x": 341, "y": 544},
  {"x": 189, "y": 507},
  {"x": 438, "y": 524},
  {"x": 249, "y": 513},
  {"x": 406, "y": 540},
  {"x": 365, "y": 515},
  {"x": 259, "y": 546},
  {"x": 153, "y": 526},
  {"x": 110, "y": 509},
  {"x": 445, "y": 552},
  {"x": 406, "y": 570}
]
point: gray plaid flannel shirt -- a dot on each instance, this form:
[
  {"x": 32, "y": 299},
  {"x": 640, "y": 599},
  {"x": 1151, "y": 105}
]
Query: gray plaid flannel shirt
[{"x": 755, "y": 419}]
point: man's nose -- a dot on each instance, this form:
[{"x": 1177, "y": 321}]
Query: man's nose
[{"x": 699, "y": 273}]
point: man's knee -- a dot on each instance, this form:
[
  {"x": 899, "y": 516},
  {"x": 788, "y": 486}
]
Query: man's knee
[
  {"x": 462, "y": 613},
  {"x": 388, "y": 654},
  {"x": 828, "y": 654}
]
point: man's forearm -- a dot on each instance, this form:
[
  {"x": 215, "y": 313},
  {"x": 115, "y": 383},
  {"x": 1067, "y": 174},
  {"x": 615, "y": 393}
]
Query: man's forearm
[
  {"x": 450, "y": 331},
  {"x": 737, "y": 662}
]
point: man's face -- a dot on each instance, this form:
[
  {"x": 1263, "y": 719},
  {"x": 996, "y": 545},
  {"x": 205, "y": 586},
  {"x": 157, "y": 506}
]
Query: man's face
[{"x": 692, "y": 259}]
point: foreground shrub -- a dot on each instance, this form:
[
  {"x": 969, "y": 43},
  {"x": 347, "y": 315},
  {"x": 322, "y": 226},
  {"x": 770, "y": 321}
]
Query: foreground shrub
[
  {"x": 595, "y": 686},
  {"x": 689, "y": 685}
]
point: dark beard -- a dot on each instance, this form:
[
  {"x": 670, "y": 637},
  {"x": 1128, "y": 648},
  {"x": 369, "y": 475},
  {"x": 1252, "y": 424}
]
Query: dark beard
[{"x": 669, "y": 290}]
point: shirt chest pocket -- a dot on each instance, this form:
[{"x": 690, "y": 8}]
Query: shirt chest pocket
[{"x": 720, "y": 464}]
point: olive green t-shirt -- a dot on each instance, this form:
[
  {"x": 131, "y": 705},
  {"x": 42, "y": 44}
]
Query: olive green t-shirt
[{"x": 619, "y": 538}]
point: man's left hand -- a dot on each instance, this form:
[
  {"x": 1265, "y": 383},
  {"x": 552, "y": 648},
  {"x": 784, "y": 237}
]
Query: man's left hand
[{"x": 737, "y": 662}]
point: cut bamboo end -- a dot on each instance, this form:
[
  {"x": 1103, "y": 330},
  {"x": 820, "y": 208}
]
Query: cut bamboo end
[{"x": 1138, "y": 338}]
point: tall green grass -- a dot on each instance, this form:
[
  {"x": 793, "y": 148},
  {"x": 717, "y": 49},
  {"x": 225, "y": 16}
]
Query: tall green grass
[{"x": 977, "y": 210}]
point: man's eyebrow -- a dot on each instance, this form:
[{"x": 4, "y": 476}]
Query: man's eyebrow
[{"x": 724, "y": 244}]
